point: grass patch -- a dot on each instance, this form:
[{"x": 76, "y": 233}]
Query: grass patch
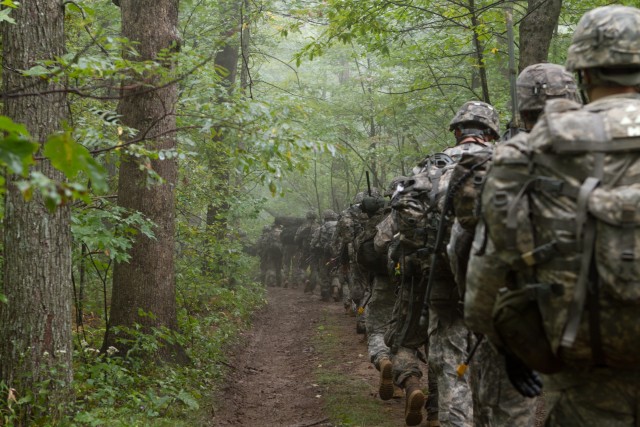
[{"x": 348, "y": 399}]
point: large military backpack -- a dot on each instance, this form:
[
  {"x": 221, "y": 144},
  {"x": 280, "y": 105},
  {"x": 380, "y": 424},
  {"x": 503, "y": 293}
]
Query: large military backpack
[
  {"x": 414, "y": 200},
  {"x": 290, "y": 226},
  {"x": 322, "y": 238},
  {"x": 562, "y": 207},
  {"x": 423, "y": 209},
  {"x": 364, "y": 247}
]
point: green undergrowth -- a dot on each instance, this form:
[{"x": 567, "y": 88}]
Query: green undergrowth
[
  {"x": 128, "y": 390},
  {"x": 348, "y": 400}
]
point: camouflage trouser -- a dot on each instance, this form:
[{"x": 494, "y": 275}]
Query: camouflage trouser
[
  {"x": 404, "y": 336},
  {"x": 495, "y": 401},
  {"x": 324, "y": 277},
  {"x": 379, "y": 311},
  {"x": 289, "y": 263},
  {"x": 593, "y": 398},
  {"x": 358, "y": 284},
  {"x": 449, "y": 341},
  {"x": 313, "y": 274}
]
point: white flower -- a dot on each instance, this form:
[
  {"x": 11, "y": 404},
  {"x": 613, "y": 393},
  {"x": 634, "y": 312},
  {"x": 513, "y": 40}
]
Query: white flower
[{"x": 112, "y": 350}]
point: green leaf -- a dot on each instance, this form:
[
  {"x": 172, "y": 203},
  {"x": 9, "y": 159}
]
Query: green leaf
[
  {"x": 70, "y": 158},
  {"x": 188, "y": 400},
  {"x": 4, "y": 16},
  {"x": 17, "y": 153},
  {"x": 8, "y": 125}
]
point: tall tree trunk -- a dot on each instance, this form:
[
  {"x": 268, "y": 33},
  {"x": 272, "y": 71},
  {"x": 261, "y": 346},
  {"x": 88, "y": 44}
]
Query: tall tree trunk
[
  {"x": 478, "y": 48},
  {"x": 147, "y": 281},
  {"x": 35, "y": 325},
  {"x": 537, "y": 29}
]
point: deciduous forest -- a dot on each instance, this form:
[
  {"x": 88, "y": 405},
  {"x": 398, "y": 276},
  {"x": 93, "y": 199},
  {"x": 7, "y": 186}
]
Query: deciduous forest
[{"x": 144, "y": 144}]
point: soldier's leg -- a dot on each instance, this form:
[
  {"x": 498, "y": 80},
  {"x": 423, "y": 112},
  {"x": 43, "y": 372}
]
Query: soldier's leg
[
  {"x": 336, "y": 286},
  {"x": 432, "y": 397},
  {"x": 324, "y": 280},
  {"x": 313, "y": 275},
  {"x": 448, "y": 347},
  {"x": 277, "y": 265},
  {"x": 286, "y": 264},
  {"x": 495, "y": 401},
  {"x": 379, "y": 311}
]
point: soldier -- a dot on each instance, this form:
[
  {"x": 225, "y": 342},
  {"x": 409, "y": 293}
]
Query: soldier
[
  {"x": 357, "y": 279},
  {"x": 290, "y": 251},
  {"x": 550, "y": 279},
  {"x": 303, "y": 241},
  {"x": 270, "y": 252},
  {"x": 495, "y": 400},
  {"x": 379, "y": 307},
  {"x": 321, "y": 252},
  {"x": 424, "y": 225}
]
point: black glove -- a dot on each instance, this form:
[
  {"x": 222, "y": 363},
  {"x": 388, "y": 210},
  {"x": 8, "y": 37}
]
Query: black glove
[
  {"x": 370, "y": 205},
  {"x": 523, "y": 379}
]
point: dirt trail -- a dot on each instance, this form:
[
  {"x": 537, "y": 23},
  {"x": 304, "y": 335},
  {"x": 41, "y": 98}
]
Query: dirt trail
[{"x": 271, "y": 382}]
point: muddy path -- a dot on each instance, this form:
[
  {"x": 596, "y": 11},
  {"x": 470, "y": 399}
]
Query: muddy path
[{"x": 273, "y": 379}]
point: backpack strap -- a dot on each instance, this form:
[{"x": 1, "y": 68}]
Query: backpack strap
[{"x": 586, "y": 243}]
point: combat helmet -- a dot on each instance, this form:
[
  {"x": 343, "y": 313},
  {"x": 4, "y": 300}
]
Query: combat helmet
[
  {"x": 607, "y": 41},
  {"x": 359, "y": 197},
  {"x": 329, "y": 215},
  {"x": 538, "y": 83},
  {"x": 311, "y": 214},
  {"x": 476, "y": 112}
]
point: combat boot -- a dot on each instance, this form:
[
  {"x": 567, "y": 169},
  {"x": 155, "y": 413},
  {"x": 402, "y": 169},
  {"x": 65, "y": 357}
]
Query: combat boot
[
  {"x": 385, "y": 390},
  {"x": 414, "y": 401}
]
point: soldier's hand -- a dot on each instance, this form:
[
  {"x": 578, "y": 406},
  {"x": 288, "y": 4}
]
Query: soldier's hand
[{"x": 524, "y": 379}]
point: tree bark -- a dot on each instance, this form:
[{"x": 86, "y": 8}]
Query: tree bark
[
  {"x": 35, "y": 325},
  {"x": 537, "y": 29},
  {"x": 147, "y": 282},
  {"x": 478, "y": 48}
]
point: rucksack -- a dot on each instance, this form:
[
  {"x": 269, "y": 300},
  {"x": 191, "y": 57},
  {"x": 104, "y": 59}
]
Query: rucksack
[
  {"x": 562, "y": 207},
  {"x": 322, "y": 238},
  {"x": 365, "y": 251},
  {"x": 423, "y": 209}
]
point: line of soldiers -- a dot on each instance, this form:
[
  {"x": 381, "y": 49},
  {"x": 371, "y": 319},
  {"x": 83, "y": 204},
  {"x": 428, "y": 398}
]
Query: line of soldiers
[{"x": 516, "y": 257}]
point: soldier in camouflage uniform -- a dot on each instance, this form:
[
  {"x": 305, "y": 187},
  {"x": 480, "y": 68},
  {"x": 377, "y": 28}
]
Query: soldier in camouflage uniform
[
  {"x": 475, "y": 126},
  {"x": 270, "y": 252},
  {"x": 380, "y": 304},
  {"x": 303, "y": 241},
  {"x": 290, "y": 251},
  {"x": 357, "y": 279},
  {"x": 417, "y": 204},
  {"x": 321, "y": 252},
  {"x": 496, "y": 402},
  {"x": 575, "y": 170}
]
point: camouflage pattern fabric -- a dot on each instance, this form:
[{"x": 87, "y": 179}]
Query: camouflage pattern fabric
[
  {"x": 601, "y": 40},
  {"x": 321, "y": 254},
  {"x": 379, "y": 310},
  {"x": 342, "y": 248},
  {"x": 270, "y": 252},
  {"x": 476, "y": 112},
  {"x": 594, "y": 398},
  {"x": 449, "y": 345},
  {"x": 538, "y": 83},
  {"x": 303, "y": 241},
  {"x": 495, "y": 401}
]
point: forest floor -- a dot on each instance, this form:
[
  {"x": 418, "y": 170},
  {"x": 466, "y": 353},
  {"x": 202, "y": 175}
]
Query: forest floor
[{"x": 301, "y": 365}]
